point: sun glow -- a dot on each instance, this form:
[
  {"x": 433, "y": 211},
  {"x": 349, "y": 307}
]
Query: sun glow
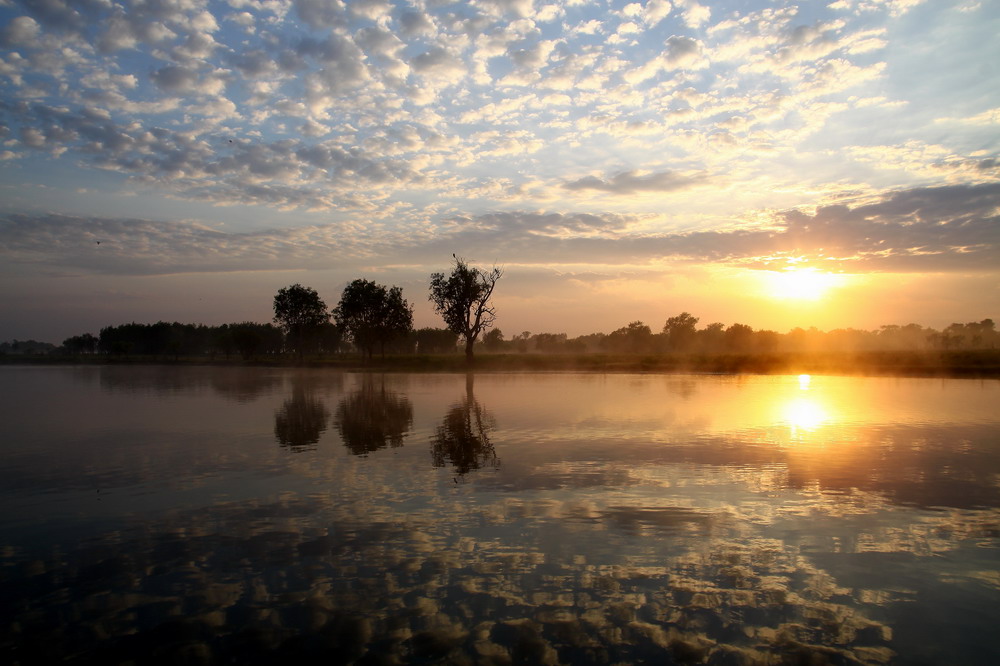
[
  {"x": 806, "y": 412},
  {"x": 804, "y": 284}
]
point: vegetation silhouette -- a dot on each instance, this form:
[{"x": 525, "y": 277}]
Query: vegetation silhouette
[
  {"x": 372, "y": 314},
  {"x": 434, "y": 341},
  {"x": 462, "y": 298},
  {"x": 301, "y": 313},
  {"x": 463, "y": 438},
  {"x": 302, "y": 419},
  {"x": 373, "y": 418}
]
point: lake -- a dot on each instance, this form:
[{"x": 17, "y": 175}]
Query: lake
[{"x": 164, "y": 514}]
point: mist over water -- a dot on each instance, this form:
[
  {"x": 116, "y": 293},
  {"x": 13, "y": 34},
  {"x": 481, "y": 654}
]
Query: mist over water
[{"x": 218, "y": 515}]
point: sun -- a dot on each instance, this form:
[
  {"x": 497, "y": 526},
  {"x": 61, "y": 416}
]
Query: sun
[{"x": 801, "y": 284}]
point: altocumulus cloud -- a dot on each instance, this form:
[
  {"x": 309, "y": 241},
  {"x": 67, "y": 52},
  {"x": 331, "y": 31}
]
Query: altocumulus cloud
[
  {"x": 630, "y": 182},
  {"x": 942, "y": 229}
]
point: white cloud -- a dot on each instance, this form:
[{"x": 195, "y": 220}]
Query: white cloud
[
  {"x": 695, "y": 15},
  {"x": 655, "y": 11}
]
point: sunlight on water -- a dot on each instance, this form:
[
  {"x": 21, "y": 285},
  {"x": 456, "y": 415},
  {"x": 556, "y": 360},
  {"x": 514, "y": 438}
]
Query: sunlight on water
[
  {"x": 804, "y": 414},
  {"x": 255, "y": 515}
]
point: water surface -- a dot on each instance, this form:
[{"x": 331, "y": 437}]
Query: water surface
[{"x": 245, "y": 515}]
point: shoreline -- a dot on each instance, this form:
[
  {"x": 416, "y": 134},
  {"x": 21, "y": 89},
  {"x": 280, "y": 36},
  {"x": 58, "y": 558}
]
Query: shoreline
[{"x": 973, "y": 364}]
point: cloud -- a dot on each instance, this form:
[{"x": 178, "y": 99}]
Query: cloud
[
  {"x": 147, "y": 247},
  {"x": 320, "y": 14},
  {"x": 695, "y": 15},
  {"x": 895, "y": 8},
  {"x": 942, "y": 229},
  {"x": 203, "y": 166},
  {"x": 630, "y": 182},
  {"x": 655, "y": 11},
  {"x": 437, "y": 63},
  {"x": 22, "y": 30}
]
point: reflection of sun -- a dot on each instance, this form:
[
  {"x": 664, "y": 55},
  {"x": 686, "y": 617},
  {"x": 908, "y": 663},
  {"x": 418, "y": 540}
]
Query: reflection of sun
[
  {"x": 804, "y": 284},
  {"x": 804, "y": 414}
]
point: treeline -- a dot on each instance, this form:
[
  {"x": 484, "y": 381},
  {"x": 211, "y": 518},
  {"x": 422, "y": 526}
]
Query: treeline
[
  {"x": 681, "y": 334},
  {"x": 369, "y": 316},
  {"x": 247, "y": 340}
]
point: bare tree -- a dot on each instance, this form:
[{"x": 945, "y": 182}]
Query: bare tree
[{"x": 462, "y": 298}]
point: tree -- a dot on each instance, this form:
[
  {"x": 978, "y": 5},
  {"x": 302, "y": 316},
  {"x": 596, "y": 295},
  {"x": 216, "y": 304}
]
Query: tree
[
  {"x": 636, "y": 338},
  {"x": 299, "y": 311},
  {"x": 81, "y": 344},
  {"x": 462, "y": 298},
  {"x": 680, "y": 331},
  {"x": 372, "y": 314},
  {"x": 435, "y": 341},
  {"x": 493, "y": 340},
  {"x": 739, "y": 338}
]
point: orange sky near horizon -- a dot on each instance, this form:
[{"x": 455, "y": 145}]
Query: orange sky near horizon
[{"x": 623, "y": 160}]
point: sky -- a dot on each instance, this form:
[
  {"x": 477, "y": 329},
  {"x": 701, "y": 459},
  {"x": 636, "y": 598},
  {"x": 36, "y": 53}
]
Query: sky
[{"x": 830, "y": 164}]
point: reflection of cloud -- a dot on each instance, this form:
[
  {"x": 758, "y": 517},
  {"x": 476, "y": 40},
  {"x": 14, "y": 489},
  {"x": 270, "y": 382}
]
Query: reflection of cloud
[
  {"x": 377, "y": 560},
  {"x": 294, "y": 590}
]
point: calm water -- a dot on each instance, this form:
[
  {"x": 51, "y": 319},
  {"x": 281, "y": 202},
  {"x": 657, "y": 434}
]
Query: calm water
[{"x": 206, "y": 515}]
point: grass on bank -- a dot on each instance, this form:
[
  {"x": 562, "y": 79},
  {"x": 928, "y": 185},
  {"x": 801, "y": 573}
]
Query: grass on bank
[{"x": 967, "y": 363}]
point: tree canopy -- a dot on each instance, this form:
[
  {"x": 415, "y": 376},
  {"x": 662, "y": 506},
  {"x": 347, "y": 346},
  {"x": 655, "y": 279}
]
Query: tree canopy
[
  {"x": 462, "y": 298},
  {"x": 373, "y": 314},
  {"x": 300, "y": 312}
]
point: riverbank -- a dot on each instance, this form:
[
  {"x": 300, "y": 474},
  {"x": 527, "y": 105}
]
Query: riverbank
[{"x": 969, "y": 363}]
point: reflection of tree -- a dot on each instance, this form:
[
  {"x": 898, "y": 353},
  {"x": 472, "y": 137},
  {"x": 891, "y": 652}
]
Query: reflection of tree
[
  {"x": 463, "y": 439},
  {"x": 301, "y": 420},
  {"x": 373, "y": 418},
  {"x": 243, "y": 384}
]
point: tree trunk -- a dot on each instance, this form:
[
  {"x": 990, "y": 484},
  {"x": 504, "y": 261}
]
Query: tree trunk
[{"x": 468, "y": 350}]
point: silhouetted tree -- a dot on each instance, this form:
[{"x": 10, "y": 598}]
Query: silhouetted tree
[
  {"x": 81, "y": 344},
  {"x": 435, "y": 341},
  {"x": 493, "y": 340},
  {"x": 680, "y": 331},
  {"x": 251, "y": 338},
  {"x": 330, "y": 338},
  {"x": 766, "y": 341},
  {"x": 462, "y": 298},
  {"x": 26, "y": 347},
  {"x": 711, "y": 338},
  {"x": 372, "y": 314},
  {"x": 300, "y": 312},
  {"x": 521, "y": 341},
  {"x": 636, "y": 338},
  {"x": 550, "y": 343},
  {"x": 738, "y": 338}
]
